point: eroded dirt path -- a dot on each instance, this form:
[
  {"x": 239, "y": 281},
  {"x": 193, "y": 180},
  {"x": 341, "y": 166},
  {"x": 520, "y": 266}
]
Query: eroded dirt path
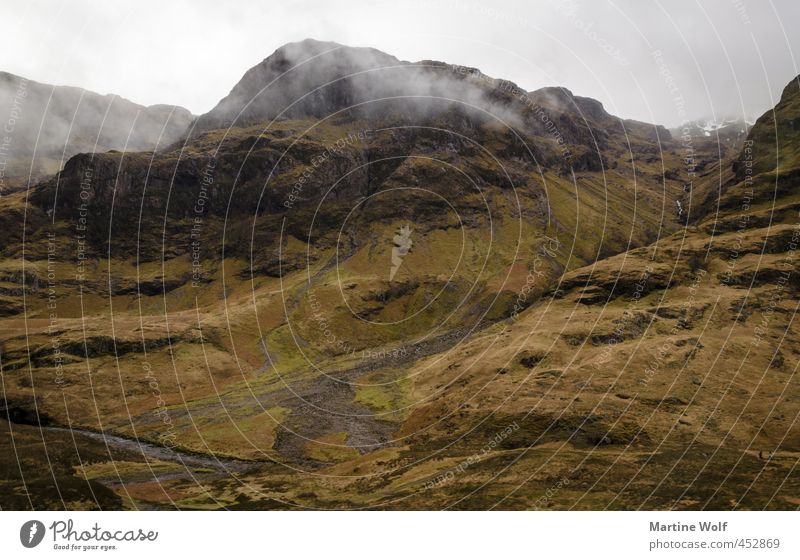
[
  {"x": 327, "y": 403},
  {"x": 320, "y": 405}
]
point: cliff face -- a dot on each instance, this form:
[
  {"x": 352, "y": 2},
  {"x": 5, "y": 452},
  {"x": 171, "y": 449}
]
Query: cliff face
[
  {"x": 305, "y": 79},
  {"x": 49, "y": 124},
  {"x": 375, "y": 123},
  {"x": 319, "y": 80},
  {"x": 482, "y": 173}
]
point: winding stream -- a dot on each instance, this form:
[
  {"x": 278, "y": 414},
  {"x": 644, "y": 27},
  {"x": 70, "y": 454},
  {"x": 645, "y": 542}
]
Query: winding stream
[{"x": 159, "y": 452}]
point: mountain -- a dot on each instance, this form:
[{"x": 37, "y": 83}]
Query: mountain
[
  {"x": 324, "y": 196},
  {"x": 425, "y": 288},
  {"x": 726, "y": 135},
  {"x": 309, "y": 79},
  {"x": 774, "y": 141},
  {"x": 663, "y": 376},
  {"x": 725, "y": 128},
  {"x": 50, "y": 124},
  {"x": 315, "y": 79}
]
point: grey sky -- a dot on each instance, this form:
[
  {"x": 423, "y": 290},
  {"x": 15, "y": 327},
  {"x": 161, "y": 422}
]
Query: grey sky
[{"x": 724, "y": 57}]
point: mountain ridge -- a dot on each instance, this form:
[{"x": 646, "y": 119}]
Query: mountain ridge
[
  {"x": 345, "y": 310},
  {"x": 356, "y": 61},
  {"x": 53, "y": 123}
]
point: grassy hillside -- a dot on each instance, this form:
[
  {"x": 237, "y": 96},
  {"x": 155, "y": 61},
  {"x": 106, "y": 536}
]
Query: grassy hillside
[{"x": 251, "y": 306}]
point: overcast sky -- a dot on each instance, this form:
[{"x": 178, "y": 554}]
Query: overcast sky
[{"x": 722, "y": 57}]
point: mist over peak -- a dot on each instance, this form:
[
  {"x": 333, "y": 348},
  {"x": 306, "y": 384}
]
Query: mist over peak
[
  {"x": 49, "y": 124},
  {"x": 324, "y": 80}
]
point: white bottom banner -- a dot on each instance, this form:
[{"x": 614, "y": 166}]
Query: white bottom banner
[{"x": 396, "y": 535}]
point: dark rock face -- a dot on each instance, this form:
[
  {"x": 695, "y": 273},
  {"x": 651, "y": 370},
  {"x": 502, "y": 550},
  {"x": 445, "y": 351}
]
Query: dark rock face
[
  {"x": 309, "y": 78},
  {"x": 309, "y": 132},
  {"x": 320, "y": 80},
  {"x": 319, "y": 121}
]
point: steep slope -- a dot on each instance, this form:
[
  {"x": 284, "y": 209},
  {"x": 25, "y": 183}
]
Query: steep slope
[
  {"x": 708, "y": 143},
  {"x": 306, "y": 79},
  {"x": 49, "y": 124},
  {"x": 664, "y": 377},
  {"x": 314, "y": 79},
  {"x": 344, "y": 307},
  {"x": 775, "y": 137}
]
